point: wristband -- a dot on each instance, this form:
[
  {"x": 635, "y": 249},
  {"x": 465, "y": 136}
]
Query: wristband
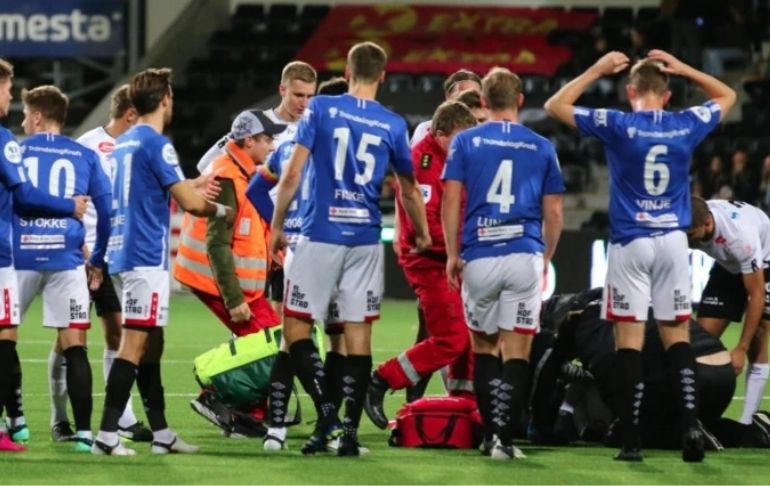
[{"x": 221, "y": 210}]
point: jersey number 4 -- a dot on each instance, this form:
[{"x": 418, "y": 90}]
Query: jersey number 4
[
  {"x": 342, "y": 135},
  {"x": 500, "y": 191},
  {"x": 60, "y": 167}
]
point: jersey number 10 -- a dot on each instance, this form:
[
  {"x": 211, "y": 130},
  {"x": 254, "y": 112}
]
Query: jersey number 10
[{"x": 59, "y": 167}]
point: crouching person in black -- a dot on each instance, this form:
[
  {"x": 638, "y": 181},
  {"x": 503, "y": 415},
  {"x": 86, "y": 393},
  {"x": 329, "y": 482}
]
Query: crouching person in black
[{"x": 573, "y": 397}]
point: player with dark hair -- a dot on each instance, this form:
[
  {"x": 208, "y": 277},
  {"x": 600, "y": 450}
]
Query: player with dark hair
[
  {"x": 737, "y": 236},
  {"x": 147, "y": 173},
  {"x": 648, "y": 154},
  {"x": 447, "y": 341},
  {"x": 510, "y": 228},
  {"x": 18, "y": 198},
  {"x": 457, "y": 82},
  {"x": 351, "y": 138}
]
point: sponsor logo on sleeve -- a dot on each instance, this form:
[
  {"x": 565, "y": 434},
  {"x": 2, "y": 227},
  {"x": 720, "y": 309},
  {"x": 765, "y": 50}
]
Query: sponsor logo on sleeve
[
  {"x": 12, "y": 152},
  {"x": 702, "y": 112},
  {"x": 169, "y": 155},
  {"x": 600, "y": 117}
]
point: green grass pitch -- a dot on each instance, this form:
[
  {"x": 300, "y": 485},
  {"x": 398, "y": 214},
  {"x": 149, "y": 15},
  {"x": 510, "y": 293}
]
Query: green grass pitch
[{"x": 238, "y": 461}]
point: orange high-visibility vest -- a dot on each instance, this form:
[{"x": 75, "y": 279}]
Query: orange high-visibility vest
[{"x": 250, "y": 236}]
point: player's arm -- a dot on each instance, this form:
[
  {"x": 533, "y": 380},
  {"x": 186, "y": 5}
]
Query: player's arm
[
  {"x": 553, "y": 222},
  {"x": 411, "y": 199},
  {"x": 396, "y": 234},
  {"x": 30, "y": 201},
  {"x": 450, "y": 221},
  {"x": 287, "y": 189},
  {"x": 219, "y": 239},
  {"x": 562, "y": 104},
  {"x": 715, "y": 89},
  {"x": 755, "y": 289},
  {"x": 258, "y": 192},
  {"x": 188, "y": 199}
]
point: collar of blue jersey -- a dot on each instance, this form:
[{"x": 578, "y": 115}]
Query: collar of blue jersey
[{"x": 241, "y": 159}]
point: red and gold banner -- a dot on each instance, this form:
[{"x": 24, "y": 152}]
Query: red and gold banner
[{"x": 444, "y": 39}]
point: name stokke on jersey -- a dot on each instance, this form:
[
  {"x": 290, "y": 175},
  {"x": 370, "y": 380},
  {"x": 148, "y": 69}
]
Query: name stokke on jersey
[
  {"x": 146, "y": 166},
  {"x": 351, "y": 141},
  {"x": 276, "y": 163},
  {"x": 648, "y": 155},
  {"x": 102, "y": 143},
  {"x": 64, "y": 168},
  {"x": 506, "y": 169},
  {"x": 741, "y": 241},
  {"x": 11, "y": 175}
]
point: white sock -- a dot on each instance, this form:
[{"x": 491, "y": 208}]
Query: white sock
[
  {"x": 84, "y": 434},
  {"x": 566, "y": 407},
  {"x": 17, "y": 421},
  {"x": 277, "y": 432},
  {"x": 109, "y": 438},
  {"x": 756, "y": 379},
  {"x": 165, "y": 436},
  {"x": 57, "y": 387},
  {"x": 128, "y": 418}
]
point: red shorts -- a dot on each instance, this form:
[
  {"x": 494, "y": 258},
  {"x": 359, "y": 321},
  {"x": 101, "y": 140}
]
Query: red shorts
[{"x": 262, "y": 314}]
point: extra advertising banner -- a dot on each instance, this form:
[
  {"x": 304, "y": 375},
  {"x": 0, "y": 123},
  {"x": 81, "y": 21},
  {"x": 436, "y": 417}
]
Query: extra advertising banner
[
  {"x": 580, "y": 263},
  {"x": 62, "y": 28},
  {"x": 445, "y": 39}
]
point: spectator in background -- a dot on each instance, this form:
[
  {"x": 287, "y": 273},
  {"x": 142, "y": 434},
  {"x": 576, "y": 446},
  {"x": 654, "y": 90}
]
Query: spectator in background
[
  {"x": 713, "y": 182},
  {"x": 742, "y": 182},
  {"x": 639, "y": 47}
]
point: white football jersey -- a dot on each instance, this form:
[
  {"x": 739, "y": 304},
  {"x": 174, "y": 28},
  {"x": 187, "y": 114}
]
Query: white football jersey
[
  {"x": 219, "y": 147},
  {"x": 420, "y": 131},
  {"x": 741, "y": 241},
  {"x": 102, "y": 143}
]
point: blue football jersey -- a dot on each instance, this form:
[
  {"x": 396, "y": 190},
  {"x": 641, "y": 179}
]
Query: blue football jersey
[
  {"x": 146, "y": 166},
  {"x": 648, "y": 155},
  {"x": 11, "y": 175},
  {"x": 64, "y": 168},
  {"x": 506, "y": 170},
  {"x": 351, "y": 142},
  {"x": 292, "y": 224}
]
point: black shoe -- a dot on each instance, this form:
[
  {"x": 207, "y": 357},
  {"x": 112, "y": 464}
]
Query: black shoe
[
  {"x": 375, "y": 394},
  {"x": 62, "y": 432},
  {"x": 320, "y": 437},
  {"x": 632, "y": 454},
  {"x": 349, "y": 446},
  {"x": 137, "y": 432},
  {"x": 486, "y": 446},
  {"x": 415, "y": 392},
  {"x": 693, "y": 445},
  {"x": 564, "y": 430},
  {"x": 246, "y": 429}
]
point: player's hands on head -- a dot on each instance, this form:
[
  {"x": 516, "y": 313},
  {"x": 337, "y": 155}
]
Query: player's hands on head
[
  {"x": 738, "y": 359},
  {"x": 207, "y": 186},
  {"x": 81, "y": 204},
  {"x": 240, "y": 313},
  {"x": 277, "y": 244},
  {"x": 95, "y": 276},
  {"x": 672, "y": 65},
  {"x": 611, "y": 63},
  {"x": 454, "y": 269}
]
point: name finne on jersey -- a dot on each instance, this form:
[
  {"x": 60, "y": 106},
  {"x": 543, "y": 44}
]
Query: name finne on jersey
[
  {"x": 348, "y": 195},
  {"x": 39, "y": 27}
]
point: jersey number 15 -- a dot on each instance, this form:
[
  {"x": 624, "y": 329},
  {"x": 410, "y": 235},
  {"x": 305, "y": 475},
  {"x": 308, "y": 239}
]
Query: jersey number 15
[{"x": 342, "y": 135}]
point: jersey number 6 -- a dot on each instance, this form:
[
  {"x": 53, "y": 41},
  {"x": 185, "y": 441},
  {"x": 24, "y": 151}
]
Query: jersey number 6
[{"x": 651, "y": 168}]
